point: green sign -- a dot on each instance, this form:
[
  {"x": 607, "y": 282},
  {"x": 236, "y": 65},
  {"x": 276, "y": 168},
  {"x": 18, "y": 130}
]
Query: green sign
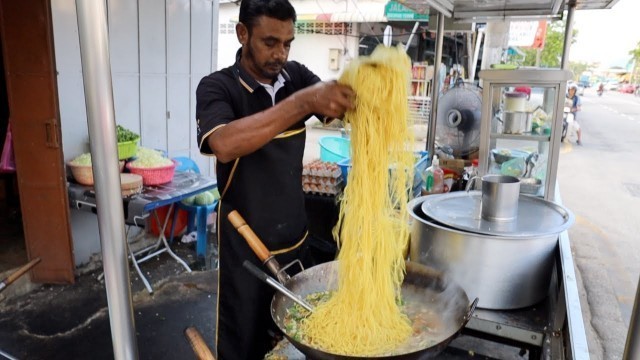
[{"x": 396, "y": 11}]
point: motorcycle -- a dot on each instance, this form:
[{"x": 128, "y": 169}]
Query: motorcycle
[
  {"x": 569, "y": 126},
  {"x": 600, "y": 90}
]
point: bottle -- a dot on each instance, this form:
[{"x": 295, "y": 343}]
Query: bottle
[
  {"x": 474, "y": 167},
  {"x": 469, "y": 172},
  {"x": 435, "y": 177}
]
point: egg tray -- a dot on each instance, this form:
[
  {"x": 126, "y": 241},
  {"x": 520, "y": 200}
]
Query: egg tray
[
  {"x": 322, "y": 178},
  {"x": 323, "y": 169},
  {"x": 321, "y": 189}
]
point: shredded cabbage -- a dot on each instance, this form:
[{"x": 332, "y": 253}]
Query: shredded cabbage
[
  {"x": 82, "y": 160},
  {"x": 149, "y": 158}
]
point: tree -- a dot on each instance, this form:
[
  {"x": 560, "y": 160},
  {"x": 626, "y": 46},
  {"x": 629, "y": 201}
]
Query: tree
[
  {"x": 578, "y": 68},
  {"x": 635, "y": 58},
  {"x": 551, "y": 56}
]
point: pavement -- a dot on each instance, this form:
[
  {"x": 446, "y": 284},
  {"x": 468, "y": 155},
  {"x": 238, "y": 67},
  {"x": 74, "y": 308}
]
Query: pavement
[{"x": 72, "y": 321}]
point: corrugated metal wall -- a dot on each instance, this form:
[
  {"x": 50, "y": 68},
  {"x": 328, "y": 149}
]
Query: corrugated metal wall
[{"x": 159, "y": 52}]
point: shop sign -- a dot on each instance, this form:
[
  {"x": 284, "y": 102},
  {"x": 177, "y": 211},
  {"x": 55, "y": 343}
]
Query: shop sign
[
  {"x": 528, "y": 34},
  {"x": 394, "y": 11}
]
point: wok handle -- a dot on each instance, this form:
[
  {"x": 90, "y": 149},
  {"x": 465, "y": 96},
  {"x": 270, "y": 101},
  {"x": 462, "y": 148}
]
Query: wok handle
[
  {"x": 256, "y": 245},
  {"x": 198, "y": 345},
  {"x": 472, "y": 309},
  {"x": 247, "y": 233},
  {"x": 14, "y": 276}
]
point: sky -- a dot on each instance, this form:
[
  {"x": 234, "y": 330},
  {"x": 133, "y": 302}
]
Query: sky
[{"x": 607, "y": 36}]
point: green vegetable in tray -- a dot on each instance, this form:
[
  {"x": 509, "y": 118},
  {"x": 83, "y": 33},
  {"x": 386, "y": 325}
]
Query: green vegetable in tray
[
  {"x": 189, "y": 201},
  {"x": 125, "y": 134},
  {"x": 204, "y": 198},
  {"x": 215, "y": 193}
]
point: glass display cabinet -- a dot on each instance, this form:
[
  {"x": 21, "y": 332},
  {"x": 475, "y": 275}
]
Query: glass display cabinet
[{"x": 521, "y": 126}]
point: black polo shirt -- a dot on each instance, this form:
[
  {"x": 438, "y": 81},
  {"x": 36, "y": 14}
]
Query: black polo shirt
[{"x": 266, "y": 185}]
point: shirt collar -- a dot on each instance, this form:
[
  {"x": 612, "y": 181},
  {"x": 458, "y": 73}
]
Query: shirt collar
[{"x": 247, "y": 81}]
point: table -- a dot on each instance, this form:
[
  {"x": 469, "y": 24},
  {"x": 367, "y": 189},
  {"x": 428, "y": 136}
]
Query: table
[{"x": 140, "y": 206}]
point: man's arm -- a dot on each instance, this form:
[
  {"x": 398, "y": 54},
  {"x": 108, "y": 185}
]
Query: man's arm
[{"x": 248, "y": 134}]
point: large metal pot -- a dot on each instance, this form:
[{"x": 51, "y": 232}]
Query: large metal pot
[
  {"x": 426, "y": 286},
  {"x": 504, "y": 272}
]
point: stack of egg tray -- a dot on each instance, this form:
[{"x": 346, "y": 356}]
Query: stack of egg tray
[{"x": 321, "y": 177}]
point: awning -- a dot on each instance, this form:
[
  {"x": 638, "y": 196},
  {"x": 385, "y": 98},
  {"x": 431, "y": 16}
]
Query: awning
[{"x": 363, "y": 12}]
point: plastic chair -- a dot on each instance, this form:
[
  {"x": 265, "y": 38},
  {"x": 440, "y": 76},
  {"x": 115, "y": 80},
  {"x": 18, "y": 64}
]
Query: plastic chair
[
  {"x": 196, "y": 214},
  {"x": 197, "y": 219}
]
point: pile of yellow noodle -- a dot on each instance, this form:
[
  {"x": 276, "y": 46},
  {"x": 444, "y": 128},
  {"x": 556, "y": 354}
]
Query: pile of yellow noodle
[{"x": 363, "y": 317}]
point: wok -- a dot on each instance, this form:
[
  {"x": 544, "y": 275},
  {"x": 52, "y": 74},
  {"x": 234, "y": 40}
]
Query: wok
[{"x": 421, "y": 284}]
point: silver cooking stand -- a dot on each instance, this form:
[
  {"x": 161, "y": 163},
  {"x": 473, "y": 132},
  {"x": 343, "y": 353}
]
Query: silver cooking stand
[{"x": 553, "y": 84}]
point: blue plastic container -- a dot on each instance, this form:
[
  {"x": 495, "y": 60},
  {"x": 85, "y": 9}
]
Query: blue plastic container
[
  {"x": 334, "y": 148},
  {"x": 421, "y": 165}
]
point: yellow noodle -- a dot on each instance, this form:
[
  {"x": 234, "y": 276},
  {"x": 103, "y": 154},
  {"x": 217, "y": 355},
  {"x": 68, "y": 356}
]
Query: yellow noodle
[{"x": 363, "y": 316}]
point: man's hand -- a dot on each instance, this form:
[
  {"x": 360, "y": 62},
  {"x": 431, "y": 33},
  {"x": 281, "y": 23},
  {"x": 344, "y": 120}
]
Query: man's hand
[{"x": 329, "y": 99}]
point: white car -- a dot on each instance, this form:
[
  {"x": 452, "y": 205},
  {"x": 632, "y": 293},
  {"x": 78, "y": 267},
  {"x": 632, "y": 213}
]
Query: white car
[{"x": 613, "y": 85}]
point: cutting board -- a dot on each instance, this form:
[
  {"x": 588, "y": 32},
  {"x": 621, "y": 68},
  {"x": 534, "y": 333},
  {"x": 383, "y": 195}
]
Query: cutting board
[{"x": 130, "y": 184}]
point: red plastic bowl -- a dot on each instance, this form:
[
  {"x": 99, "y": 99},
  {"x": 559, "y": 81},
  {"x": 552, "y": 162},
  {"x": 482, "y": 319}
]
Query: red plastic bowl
[{"x": 154, "y": 176}]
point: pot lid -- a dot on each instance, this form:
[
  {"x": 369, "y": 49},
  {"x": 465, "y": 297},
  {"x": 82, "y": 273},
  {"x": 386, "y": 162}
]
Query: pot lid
[{"x": 461, "y": 210}]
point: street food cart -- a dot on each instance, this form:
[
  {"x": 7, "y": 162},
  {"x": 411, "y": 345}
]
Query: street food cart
[{"x": 552, "y": 328}]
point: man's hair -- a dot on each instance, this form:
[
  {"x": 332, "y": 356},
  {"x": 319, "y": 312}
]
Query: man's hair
[{"x": 251, "y": 10}]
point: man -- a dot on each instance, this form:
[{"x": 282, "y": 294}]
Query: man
[
  {"x": 251, "y": 117},
  {"x": 573, "y": 101}
]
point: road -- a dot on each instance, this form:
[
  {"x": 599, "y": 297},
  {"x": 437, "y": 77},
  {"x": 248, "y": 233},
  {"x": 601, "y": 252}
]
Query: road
[{"x": 600, "y": 183}]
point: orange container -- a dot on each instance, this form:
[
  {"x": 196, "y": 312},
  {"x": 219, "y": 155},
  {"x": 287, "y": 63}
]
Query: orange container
[{"x": 181, "y": 222}]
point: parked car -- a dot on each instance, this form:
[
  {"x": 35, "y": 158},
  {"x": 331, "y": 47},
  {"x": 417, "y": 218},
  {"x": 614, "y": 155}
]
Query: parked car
[
  {"x": 627, "y": 88},
  {"x": 613, "y": 85}
]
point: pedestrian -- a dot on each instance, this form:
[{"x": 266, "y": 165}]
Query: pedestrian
[
  {"x": 251, "y": 117},
  {"x": 573, "y": 101}
]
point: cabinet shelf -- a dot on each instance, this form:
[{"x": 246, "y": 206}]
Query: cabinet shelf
[
  {"x": 539, "y": 138},
  {"x": 545, "y": 90}
]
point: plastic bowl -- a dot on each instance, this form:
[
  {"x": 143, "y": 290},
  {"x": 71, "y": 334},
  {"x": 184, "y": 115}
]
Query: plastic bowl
[
  {"x": 83, "y": 174},
  {"x": 128, "y": 149},
  {"x": 504, "y": 155},
  {"x": 422, "y": 161},
  {"x": 334, "y": 148},
  {"x": 154, "y": 176}
]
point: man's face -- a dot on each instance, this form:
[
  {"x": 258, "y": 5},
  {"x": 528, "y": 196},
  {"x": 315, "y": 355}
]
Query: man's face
[
  {"x": 265, "y": 50},
  {"x": 572, "y": 92}
]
